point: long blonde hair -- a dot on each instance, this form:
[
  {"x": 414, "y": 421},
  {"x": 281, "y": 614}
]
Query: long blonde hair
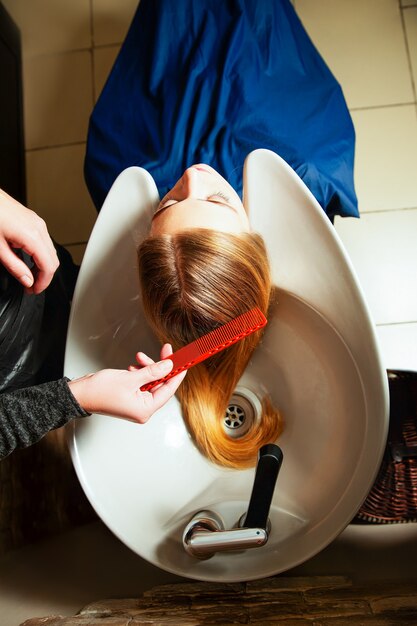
[{"x": 192, "y": 282}]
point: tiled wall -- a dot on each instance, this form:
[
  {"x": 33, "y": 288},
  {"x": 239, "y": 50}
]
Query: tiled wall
[
  {"x": 69, "y": 47},
  {"x": 371, "y": 47}
]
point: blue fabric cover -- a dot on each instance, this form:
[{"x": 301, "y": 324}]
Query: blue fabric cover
[{"x": 208, "y": 81}]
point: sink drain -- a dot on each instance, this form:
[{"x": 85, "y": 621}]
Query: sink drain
[{"x": 243, "y": 410}]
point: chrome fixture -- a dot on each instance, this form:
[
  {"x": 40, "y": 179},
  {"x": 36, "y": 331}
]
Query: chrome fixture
[
  {"x": 205, "y": 534},
  {"x": 242, "y": 413}
]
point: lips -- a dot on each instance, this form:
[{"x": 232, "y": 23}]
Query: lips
[{"x": 202, "y": 168}]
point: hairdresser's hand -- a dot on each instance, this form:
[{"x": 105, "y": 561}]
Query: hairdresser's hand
[
  {"x": 22, "y": 228},
  {"x": 117, "y": 392}
]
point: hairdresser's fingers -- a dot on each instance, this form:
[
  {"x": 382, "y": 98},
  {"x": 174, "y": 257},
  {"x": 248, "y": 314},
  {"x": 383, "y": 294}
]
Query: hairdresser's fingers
[
  {"x": 15, "y": 266},
  {"x": 164, "y": 392},
  {"x": 44, "y": 255},
  {"x": 36, "y": 242},
  {"x": 22, "y": 228},
  {"x": 166, "y": 351},
  {"x": 143, "y": 360},
  {"x": 155, "y": 371},
  {"x": 46, "y": 266}
]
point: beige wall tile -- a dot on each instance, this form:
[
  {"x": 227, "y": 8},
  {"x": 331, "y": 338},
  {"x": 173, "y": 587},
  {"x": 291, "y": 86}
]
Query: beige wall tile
[
  {"x": 58, "y": 98},
  {"x": 386, "y": 157},
  {"x": 383, "y": 250},
  {"x": 410, "y": 20},
  {"x": 362, "y": 42},
  {"x": 51, "y": 25},
  {"x": 408, "y": 3},
  {"x": 111, "y": 20},
  {"x": 57, "y": 192},
  {"x": 398, "y": 344},
  {"x": 104, "y": 59}
]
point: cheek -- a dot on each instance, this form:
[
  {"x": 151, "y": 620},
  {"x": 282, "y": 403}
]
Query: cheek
[
  {"x": 234, "y": 196},
  {"x": 175, "y": 187}
]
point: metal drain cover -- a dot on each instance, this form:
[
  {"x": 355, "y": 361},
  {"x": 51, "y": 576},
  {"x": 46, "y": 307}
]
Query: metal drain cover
[{"x": 243, "y": 410}]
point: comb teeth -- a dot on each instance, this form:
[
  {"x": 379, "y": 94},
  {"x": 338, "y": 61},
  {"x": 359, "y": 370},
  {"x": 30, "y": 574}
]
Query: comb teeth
[
  {"x": 213, "y": 342},
  {"x": 238, "y": 328}
]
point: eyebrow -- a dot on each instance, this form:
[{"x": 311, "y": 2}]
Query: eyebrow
[{"x": 158, "y": 211}]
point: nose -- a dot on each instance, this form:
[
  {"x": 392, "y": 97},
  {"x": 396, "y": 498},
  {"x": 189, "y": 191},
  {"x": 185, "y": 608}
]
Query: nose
[{"x": 191, "y": 183}]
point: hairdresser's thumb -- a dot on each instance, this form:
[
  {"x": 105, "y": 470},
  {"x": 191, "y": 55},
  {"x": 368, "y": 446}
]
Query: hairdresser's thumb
[
  {"x": 15, "y": 266},
  {"x": 157, "y": 370}
]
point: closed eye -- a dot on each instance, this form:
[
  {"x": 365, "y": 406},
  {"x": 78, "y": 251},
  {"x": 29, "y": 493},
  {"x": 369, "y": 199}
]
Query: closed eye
[
  {"x": 166, "y": 203},
  {"x": 217, "y": 198},
  {"x": 220, "y": 195}
]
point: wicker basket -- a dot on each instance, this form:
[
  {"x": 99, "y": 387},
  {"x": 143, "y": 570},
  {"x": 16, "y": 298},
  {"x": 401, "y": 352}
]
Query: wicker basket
[{"x": 393, "y": 497}]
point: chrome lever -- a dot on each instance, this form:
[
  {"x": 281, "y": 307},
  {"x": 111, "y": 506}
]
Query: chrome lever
[{"x": 205, "y": 534}]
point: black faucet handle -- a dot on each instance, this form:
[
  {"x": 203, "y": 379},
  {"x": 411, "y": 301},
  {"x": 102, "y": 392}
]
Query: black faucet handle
[{"x": 269, "y": 463}]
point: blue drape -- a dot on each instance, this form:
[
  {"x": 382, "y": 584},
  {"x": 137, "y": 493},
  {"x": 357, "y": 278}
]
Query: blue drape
[{"x": 208, "y": 81}]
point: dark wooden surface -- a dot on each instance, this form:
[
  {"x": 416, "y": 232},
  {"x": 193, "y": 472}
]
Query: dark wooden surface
[
  {"x": 307, "y": 601},
  {"x": 40, "y": 495}
]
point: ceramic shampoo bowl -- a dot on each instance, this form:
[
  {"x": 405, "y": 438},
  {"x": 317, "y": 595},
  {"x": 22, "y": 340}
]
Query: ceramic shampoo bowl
[{"x": 318, "y": 360}]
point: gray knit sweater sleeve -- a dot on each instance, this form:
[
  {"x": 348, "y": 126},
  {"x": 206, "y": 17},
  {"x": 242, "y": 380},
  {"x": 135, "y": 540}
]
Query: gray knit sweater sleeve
[{"x": 26, "y": 415}]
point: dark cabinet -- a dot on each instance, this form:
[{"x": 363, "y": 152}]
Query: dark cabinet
[{"x": 12, "y": 150}]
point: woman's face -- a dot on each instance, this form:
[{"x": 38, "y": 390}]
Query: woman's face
[{"x": 200, "y": 199}]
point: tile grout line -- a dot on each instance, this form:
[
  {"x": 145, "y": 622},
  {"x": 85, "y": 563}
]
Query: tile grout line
[
  {"x": 58, "y": 145},
  {"x": 57, "y": 53},
  {"x": 91, "y": 22},
  {"x": 382, "y": 106},
  {"x": 103, "y": 46},
  {"x": 377, "y": 211},
  {"x": 379, "y": 324},
  {"x": 92, "y": 62},
  {"x": 407, "y": 49}
]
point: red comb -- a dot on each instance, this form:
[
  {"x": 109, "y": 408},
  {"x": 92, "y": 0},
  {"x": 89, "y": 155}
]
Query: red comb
[{"x": 211, "y": 343}]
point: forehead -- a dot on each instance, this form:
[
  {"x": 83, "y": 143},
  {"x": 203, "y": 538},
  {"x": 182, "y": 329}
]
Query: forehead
[{"x": 192, "y": 213}]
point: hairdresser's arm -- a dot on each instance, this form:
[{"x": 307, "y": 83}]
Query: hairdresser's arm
[
  {"x": 28, "y": 414},
  {"x": 117, "y": 392},
  {"x": 22, "y": 228}
]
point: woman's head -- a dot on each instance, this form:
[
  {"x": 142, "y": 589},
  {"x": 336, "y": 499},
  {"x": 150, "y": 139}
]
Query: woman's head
[
  {"x": 200, "y": 198},
  {"x": 192, "y": 282},
  {"x": 193, "y": 279}
]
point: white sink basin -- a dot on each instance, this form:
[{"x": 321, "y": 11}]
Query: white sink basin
[{"x": 318, "y": 360}]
